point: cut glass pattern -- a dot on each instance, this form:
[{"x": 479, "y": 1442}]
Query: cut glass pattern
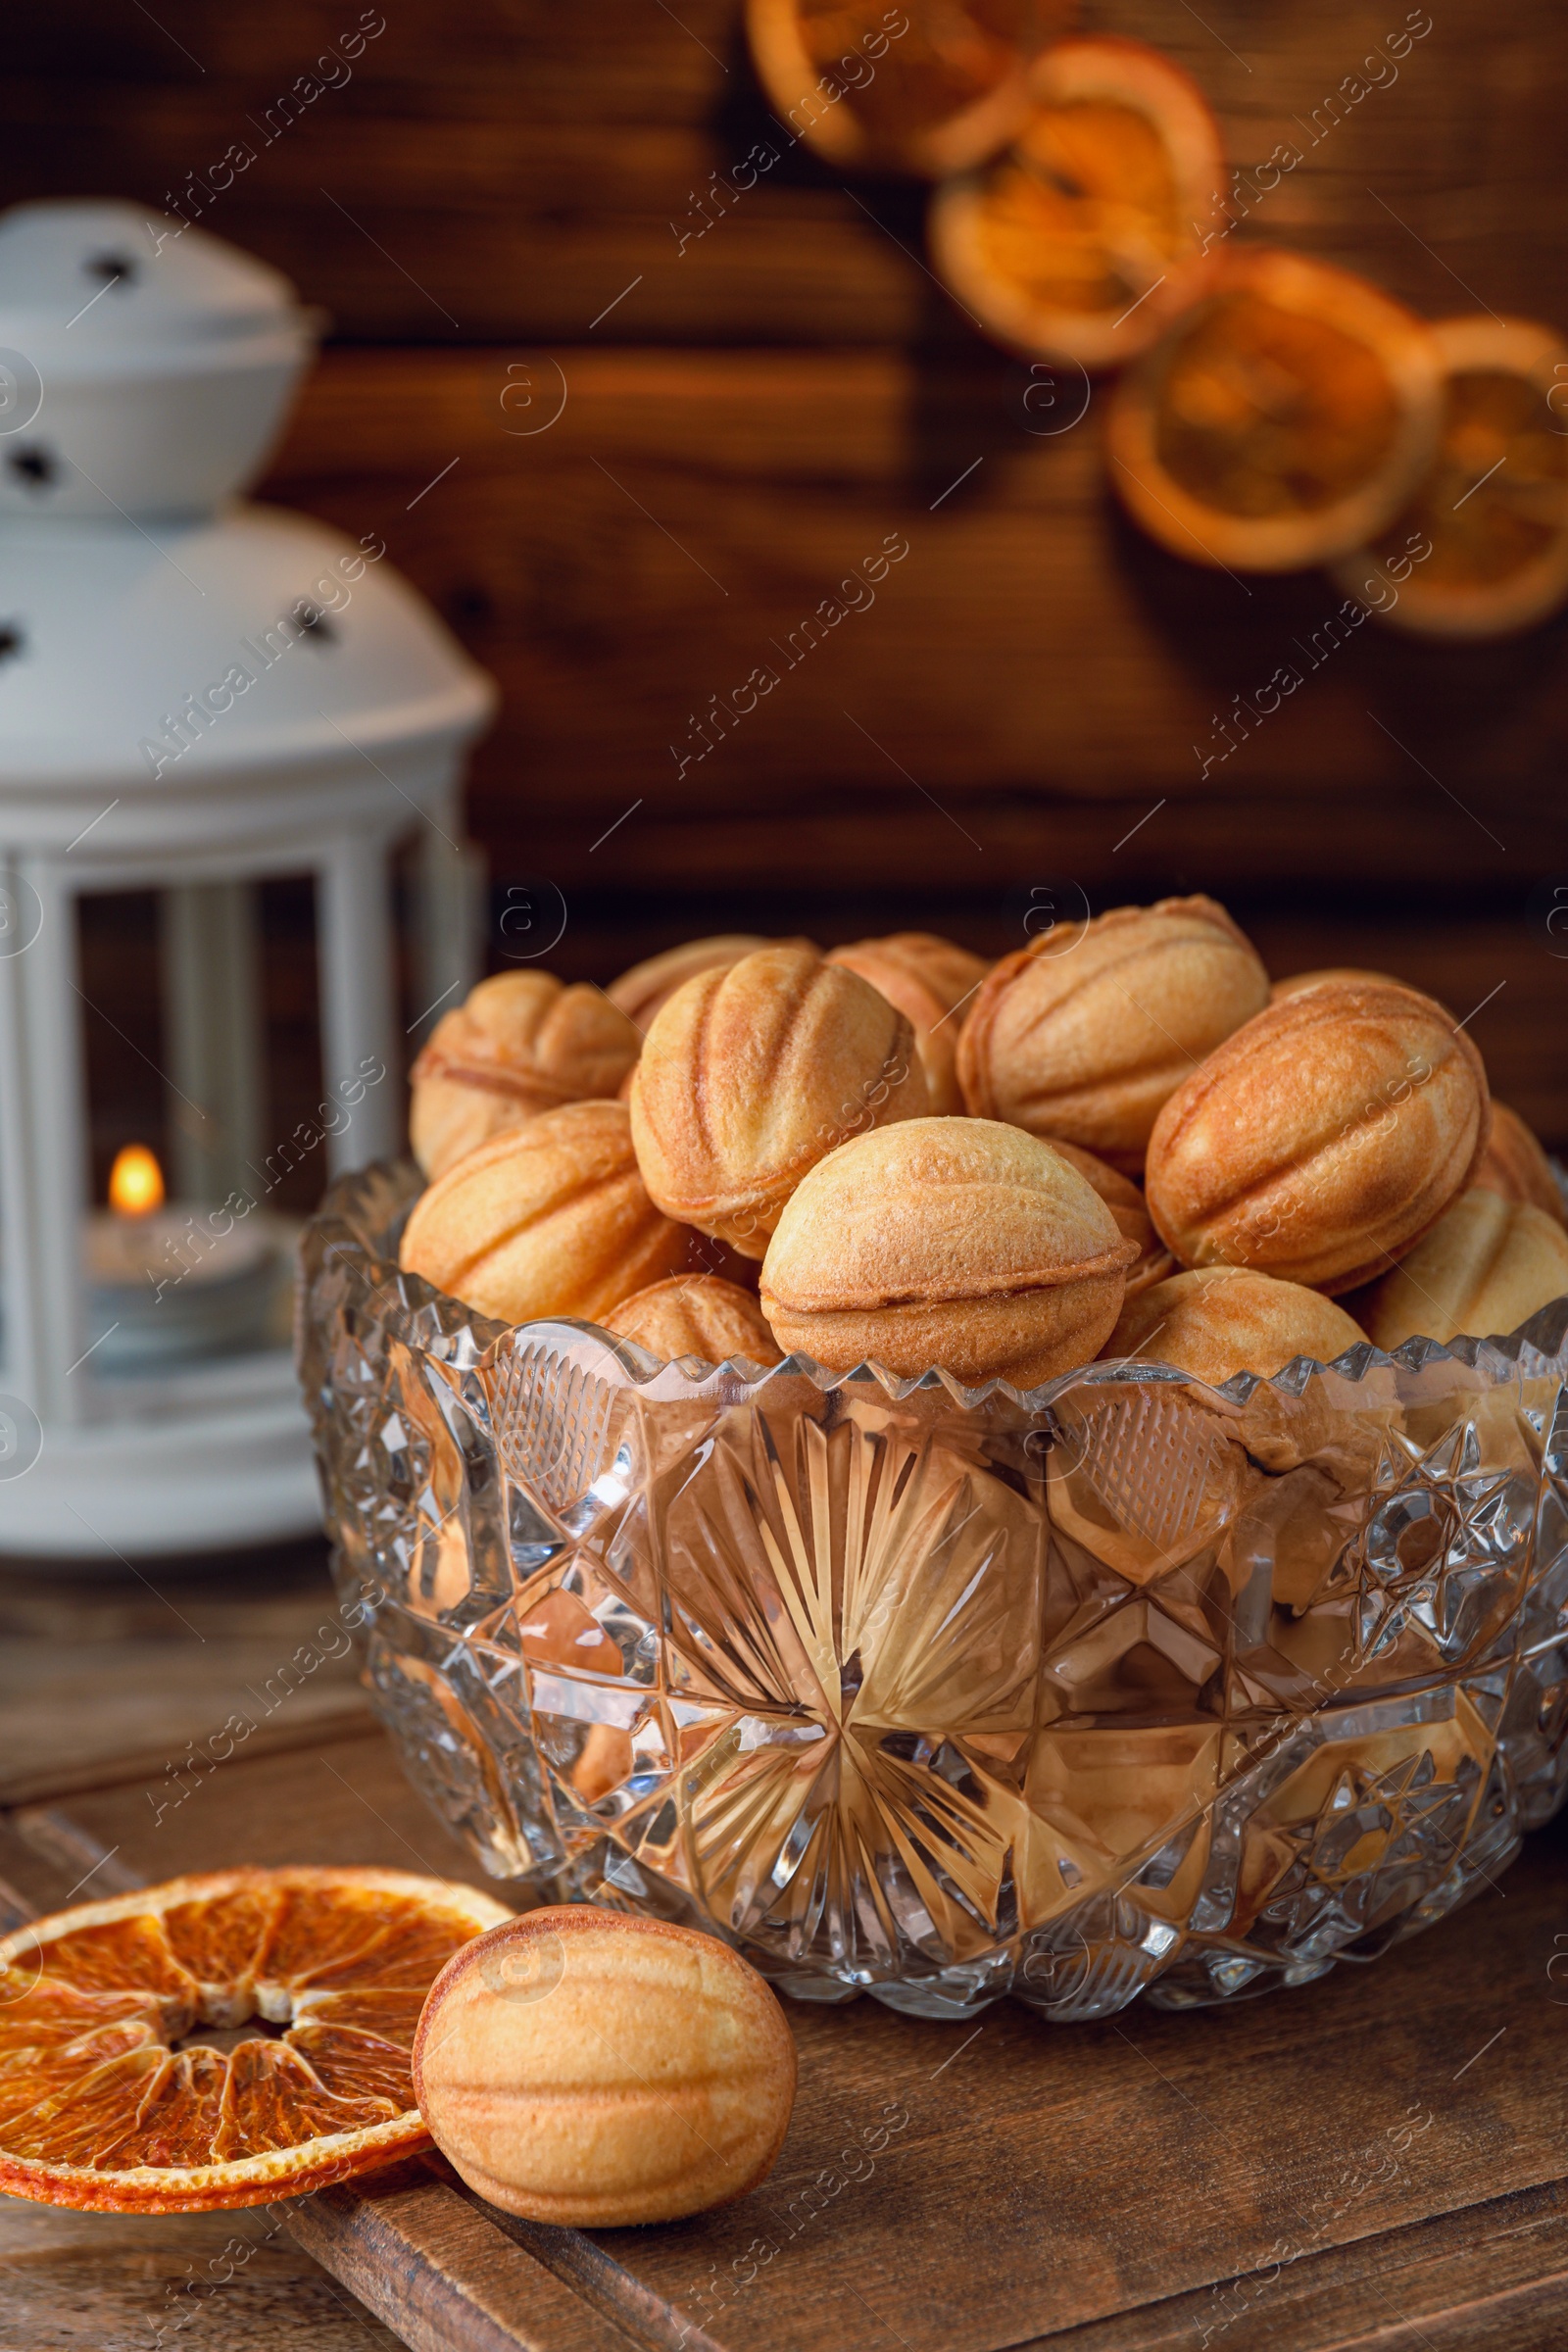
[{"x": 1125, "y": 1685}]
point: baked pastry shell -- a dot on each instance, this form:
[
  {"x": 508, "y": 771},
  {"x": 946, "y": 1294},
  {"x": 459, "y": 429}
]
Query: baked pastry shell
[
  {"x": 1085, "y": 1033},
  {"x": 1322, "y": 1138},
  {"x": 752, "y": 1073}
]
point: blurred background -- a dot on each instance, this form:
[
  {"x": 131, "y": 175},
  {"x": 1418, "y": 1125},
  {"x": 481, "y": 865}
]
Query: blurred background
[{"x": 625, "y": 432}]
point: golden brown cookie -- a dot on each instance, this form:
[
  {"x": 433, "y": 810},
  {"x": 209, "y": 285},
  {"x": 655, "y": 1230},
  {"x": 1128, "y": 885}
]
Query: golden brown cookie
[
  {"x": 1128, "y": 1206},
  {"x": 1321, "y": 1139},
  {"x": 1224, "y": 1319},
  {"x": 1299, "y": 982},
  {"x": 752, "y": 1074},
  {"x": 696, "y": 1314},
  {"x": 1516, "y": 1166},
  {"x": 956, "y": 1242},
  {"x": 1482, "y": 1270},
  {"x": 927, "y": 978},
  {"x": 643, "y": 991},
  {"x": 521, "y": 1043},
  {"x": 1086, "y": 1032},
  {"x": 548, "y": 1219},
  {"x": 593, "y": 2069}
]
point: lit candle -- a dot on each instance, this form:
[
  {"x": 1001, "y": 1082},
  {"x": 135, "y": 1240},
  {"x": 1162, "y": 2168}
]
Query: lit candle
[{"x": 166, "y": 1284}]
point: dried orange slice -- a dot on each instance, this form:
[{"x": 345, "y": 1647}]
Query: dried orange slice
[
  {"x": 929, "y": 87},
  {"x": 1089, "y": 235},
  {"x": 221, "y": 2041},
  {"x": 1493, "y": 508},
  {"x": 1283, "y": 420}
]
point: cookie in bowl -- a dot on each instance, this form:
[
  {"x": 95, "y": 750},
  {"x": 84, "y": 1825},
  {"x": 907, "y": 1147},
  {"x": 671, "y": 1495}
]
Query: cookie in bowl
[
  {"x": 962, "y": 1244},
  {"x": 520, "y": 1044},
  {"x": 1221, "y": 1320},
  {"x": 1128, "y": 1206},
  {"x": 1487, "y": 1266},
  {"x": 1085, "y": 1033},
  {"x": 1516, "y": 1166},
  {"x": 1297, "y": 984},
  {"x": 643, "y": 992},
  {"x": 548, "y": 1219},
  {"x": 696, "y": 1314},
  {"x": 1320, "y": 1141},
  {"x": 928, "y": 978},
  {"x": 752, "y": 1073}
]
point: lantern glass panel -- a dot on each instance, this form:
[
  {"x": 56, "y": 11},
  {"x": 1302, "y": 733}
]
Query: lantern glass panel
[
  {"x": 204, "y": 1134},
  {"x": 289, "y": 1171},
  {"x": 125, "y": 1048}
]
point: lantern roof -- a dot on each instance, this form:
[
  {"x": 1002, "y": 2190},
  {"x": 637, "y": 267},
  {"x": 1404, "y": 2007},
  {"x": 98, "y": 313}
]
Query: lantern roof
[
  {"x": 88, "y": 286},
  {"x": 149, "y": 660},
  {"x": 145, "y": 366}
]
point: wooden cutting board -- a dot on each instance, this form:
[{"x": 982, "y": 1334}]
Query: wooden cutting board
[{"x": 1378, "y": 2159}]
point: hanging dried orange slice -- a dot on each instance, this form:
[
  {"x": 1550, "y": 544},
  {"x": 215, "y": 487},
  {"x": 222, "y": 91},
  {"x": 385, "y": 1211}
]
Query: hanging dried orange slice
[
  {"x": 221, "y": 2041},
  {"x": 927, "y": 87},
  {"x": 1494, "y": 508},
  {"x": 1283, "y": 420},
  {"x": 1090, "y": 234}
]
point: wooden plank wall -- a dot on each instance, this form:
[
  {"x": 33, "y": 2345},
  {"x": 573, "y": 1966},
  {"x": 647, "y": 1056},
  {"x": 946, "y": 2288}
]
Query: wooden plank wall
[{"x": 489, "y": 202}]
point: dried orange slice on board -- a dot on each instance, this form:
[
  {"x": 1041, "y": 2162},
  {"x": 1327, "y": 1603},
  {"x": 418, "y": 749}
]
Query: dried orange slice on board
[
  {"x": 1088, "y": 236},
  {"x": 1283, "y": 420},
  {"x": 926, "y": 86},
  {"x": 221, "y": 2041},
  {"x": 1494, "y": 508}
]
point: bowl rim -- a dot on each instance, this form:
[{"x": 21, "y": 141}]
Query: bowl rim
[{"x": 436, "y": 1324}]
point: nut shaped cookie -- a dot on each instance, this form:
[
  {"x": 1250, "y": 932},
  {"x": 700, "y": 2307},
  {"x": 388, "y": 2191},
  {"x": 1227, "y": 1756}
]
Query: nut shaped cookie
[
  {"x": 1487, "y": 1266},
  {"x": 641, "y": 992},
  {"x": 520, "y": 1044},
  {"x": 594, "y": 2068},
  {"x": 927, "y": 978},
  {"x": 962, "y": 1244},
  {"x": 1128, "y": 1206},
  {"x": 1298, "y": 983},
  {"x": 1225, "y": 1319},
  {"x": 1086, "y": 1032},
  {"x": 752, "y": 1073},
  {"x": 1516, "y": 1166},
  {"x": 548, "y": 1219},
  {"x": 696, "y": 1314},
  {"x": 1320, "y": 1141}
]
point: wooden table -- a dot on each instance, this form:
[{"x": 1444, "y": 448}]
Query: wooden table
[{"x": 1380, "y": 2159}]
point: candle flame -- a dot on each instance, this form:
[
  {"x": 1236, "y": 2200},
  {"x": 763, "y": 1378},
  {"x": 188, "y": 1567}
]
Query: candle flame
[{"x": 136, "y": 1182}]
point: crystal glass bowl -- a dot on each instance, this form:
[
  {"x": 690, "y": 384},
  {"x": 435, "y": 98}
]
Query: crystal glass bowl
[{"x": 938, "y": 1693}]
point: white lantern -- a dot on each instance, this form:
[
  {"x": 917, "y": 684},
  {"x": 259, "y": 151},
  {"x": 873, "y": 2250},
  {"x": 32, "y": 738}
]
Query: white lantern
[{"x": 195, "y": 697}]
